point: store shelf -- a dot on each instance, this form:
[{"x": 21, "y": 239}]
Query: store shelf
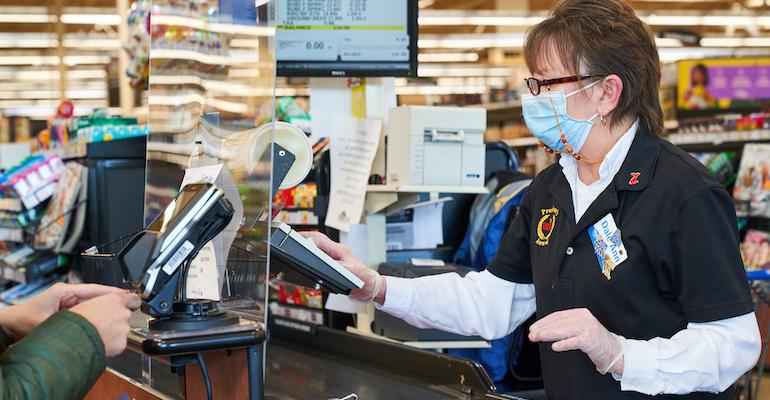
[
  {"x": 72, "y": 150},
  {"x": 718, "y": 138},
  {"x": 529, "y": 141},
  {"x": 426, "y": 189}
]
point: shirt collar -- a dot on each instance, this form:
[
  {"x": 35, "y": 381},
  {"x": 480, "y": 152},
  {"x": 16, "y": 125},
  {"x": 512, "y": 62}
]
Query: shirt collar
[
  {"x": 637, "y": 170},
  {"x": 612, "y": 161}
]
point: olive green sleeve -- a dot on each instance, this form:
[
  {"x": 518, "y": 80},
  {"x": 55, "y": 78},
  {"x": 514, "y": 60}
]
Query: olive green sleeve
[{"x": 60, "y": 359}]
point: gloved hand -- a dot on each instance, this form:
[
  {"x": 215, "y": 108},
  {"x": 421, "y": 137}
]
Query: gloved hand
[
  {"x": 374, "y": 283},
  {"x": 578, "y": 329}
]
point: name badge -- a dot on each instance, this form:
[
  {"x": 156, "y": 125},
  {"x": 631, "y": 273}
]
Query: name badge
[{"x": 608, "y": 246}]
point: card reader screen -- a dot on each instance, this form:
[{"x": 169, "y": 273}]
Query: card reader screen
[{"x": 175, "y": 208}]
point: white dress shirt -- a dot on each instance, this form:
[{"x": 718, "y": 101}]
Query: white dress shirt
[{"x": 706, "y": 357}]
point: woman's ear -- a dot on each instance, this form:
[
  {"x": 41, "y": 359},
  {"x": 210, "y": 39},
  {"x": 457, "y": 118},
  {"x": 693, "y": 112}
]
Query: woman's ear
[{"x": 612, "y": 88}]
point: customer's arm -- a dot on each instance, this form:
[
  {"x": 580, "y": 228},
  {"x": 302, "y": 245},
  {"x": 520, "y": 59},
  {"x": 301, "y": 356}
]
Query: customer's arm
[
  {"x": 478, "y": 304},
  {"x": 60, "y": 359},
  {"x": 60, "y": 354}
]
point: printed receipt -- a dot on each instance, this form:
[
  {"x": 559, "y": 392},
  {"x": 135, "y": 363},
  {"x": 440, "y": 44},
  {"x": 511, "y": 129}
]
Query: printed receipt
[{"x": 353, "y": 146}]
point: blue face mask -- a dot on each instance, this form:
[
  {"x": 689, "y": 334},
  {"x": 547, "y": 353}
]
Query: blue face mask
[{"x": 546, "y": 117}]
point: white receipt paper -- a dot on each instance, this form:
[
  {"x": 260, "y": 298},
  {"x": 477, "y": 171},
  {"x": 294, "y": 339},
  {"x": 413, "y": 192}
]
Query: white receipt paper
[
  {"x": 356, "y": 240},
  {"x": 203, "y": 278},
  {"x": 353, "y": 147}
]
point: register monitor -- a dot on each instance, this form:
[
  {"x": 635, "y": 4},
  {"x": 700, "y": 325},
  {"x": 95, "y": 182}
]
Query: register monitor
[{"x": 331, "y": 38}]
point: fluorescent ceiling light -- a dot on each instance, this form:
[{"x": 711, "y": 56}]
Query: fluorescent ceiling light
[
  {"x": 196, "y": 23},
  {"x": 672, "y": 20},
  {"x": 668, "y": 42},
  {"x": 51, "y": 94},
  {"x": 53, "y": 60},
  {"x": 180, "y": 54},
  {"x": 27, "y": 40},
  {"x": 505, "y": 18},
  {"x": 92, "y": 43},
  {"x": 27, "y": 19},
  {"x": 448, "y": 57},
  {"x": 441, "y": 71},
  {"x": 465, "y": 41},
  {"x": 91, "y": 19},
  {"x": 28, "y": 60},
  {"x": 687, "y": 53},
  {"x": 35, "y": 111},
  {"x": 86, "y": 59},
  {"x": 87, "y": 74},
  {"x": 438, "y": 90},
  {"x": 735, "y": 42}
]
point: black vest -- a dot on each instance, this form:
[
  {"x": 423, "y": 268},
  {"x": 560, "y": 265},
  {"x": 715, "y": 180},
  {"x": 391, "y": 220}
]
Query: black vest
[{"x": 679, "y": 229}]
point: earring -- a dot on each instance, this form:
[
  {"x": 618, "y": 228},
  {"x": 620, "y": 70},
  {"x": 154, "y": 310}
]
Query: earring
[{"x": 603, "y": 119}]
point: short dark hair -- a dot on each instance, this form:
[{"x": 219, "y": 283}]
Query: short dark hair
[{"x": 607, "y": 38}]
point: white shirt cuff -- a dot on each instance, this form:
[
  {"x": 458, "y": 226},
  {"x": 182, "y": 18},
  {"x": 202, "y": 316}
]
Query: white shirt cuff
[
  {"x": 639, "y": 369},
  {"x": 398, "y": 296}
]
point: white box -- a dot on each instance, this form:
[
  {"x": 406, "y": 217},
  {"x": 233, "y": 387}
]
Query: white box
[{"x": 436, "y": 146}]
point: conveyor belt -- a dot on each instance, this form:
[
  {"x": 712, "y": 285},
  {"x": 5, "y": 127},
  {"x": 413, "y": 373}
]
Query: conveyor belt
[{"x": 295, "y": 373}]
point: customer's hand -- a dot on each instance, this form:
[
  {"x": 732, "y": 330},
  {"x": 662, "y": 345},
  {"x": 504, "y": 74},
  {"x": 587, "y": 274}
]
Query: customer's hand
[
  {"x": 110, "y": 314},
  {"x": 17, "y": 321},
  {"x": 374, "y": 284},
  {"x": 578, "y": 329}
]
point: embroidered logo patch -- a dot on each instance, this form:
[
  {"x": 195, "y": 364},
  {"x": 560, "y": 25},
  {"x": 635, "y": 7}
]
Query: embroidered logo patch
[
  {"x": 634, "y": 178},
  {"x": 546, "y": 225}
]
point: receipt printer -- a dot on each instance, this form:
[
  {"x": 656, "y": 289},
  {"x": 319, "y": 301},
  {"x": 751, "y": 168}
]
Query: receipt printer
[{"x": 436, "y": 146}]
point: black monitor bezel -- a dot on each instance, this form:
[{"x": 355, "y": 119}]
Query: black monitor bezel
[{"x": 412, "y": 30}]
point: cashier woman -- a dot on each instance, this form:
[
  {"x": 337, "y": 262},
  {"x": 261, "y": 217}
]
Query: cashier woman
[{"x": 626, "y": 249}]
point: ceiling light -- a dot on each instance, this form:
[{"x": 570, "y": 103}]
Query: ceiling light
[
  {"x": 28, "y": 60},
  {"x": 671, "y": 20},
  {"x": 93, "y": 43},
  {"x": 463, "y": 41},
  {"x": 27, "y": 40},
  {"x": 448, "y": 57},
  {"x": 505, "y": 18},
  {"x": 668, "y": 42},
  {"x": 438, "y": 90},
  {"x": 195, "y": 23},
  {"x": 87, "y": 74},
  {"x": 27, "y": 19},
  {"x": 91, "y": 19},
  {"x": 735, "y": 42},
  {"x": 86, "y": 59},
  {"x": 441, "y": 70},
  {"x": 180, "y": 54}
]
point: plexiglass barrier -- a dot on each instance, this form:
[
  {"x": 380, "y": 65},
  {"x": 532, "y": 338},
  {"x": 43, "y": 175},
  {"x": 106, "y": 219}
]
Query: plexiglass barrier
[{"x": 211, "y": 85}]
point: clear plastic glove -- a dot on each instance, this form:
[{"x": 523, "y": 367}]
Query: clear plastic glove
[
  {"x": 374, "y": 283},
  {"x": 578, "y": 329}
]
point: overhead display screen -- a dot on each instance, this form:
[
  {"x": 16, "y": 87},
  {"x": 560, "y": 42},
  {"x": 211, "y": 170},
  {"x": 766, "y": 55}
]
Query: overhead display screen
[{"x": 346, "y": 37}]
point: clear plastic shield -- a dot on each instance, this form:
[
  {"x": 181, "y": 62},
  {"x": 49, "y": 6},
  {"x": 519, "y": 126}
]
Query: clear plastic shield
[{"x": 211, "y": 104}]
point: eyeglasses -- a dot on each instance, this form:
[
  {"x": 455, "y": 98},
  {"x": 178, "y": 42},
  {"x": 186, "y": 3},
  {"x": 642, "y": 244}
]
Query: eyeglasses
[{"x": 534, "y": 84}]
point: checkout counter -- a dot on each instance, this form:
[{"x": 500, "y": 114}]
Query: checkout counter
[{"x": 325, "y": 364}]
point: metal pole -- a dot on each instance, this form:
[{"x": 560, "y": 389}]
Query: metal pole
[{"x": 255, "y": 358}]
